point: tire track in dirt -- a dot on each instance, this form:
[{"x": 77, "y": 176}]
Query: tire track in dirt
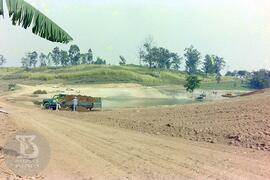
[
  {"x": 116, "y": 154},
  {"x": 96, "y": 141},
  {"x": 82, "y": 149}
]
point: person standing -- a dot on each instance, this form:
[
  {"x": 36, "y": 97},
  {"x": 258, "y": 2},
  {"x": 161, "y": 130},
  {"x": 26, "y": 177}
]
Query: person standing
[
  {"x": 57, "y": 102},
  {"x": 75, "y": 104}
]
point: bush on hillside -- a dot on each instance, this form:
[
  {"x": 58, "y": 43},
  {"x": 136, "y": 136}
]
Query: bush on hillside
[
  {"x": 260, "y": 79},
  {"x": 40, "y": 92}
]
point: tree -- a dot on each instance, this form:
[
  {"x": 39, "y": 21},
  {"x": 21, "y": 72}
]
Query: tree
[
  {"x": 144, "y": 52},
  {"x": 192, "y": 57},
  {"x": 42, "y": 60},
  {"x": 208, "y": 65},
  {"x": 122, "y": 60},
  {"x": 163, "y": 57},
  {"x": 141, "y": 55},
  {"x": 25, "y": 62},
  {"x": 2, "y": 60},
  {"x": 260, "y": 79},
  {"x": 89, "y": 56},
  {"x": 30, "y": 60},
  {"x": 230, "y": 73},
  {"x": 56, "y": 56},
  {"x": 25, "y": 15},
  {"x": 33, "y": 56},
  {"x": 100, "y": 61},
  {"x": 219, "y": 64},
  {"x": 218, "y": 78},
  {"x": 64, "y": 58},
  {"x": 176, "y": 61},
  {"x": 74, "y": 55},
  {"x": 192, "y": 82},
  {"x": 49, "y": 59},
  {"x": 158, "y": 57},
  {"x": 243, "y": 74},
  {"x": 83, "y": 58}
]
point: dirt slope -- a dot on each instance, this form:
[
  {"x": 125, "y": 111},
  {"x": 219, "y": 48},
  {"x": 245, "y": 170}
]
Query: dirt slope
[
  {"x": 85, "y": 150},
  {"x": 243, "y": 121}
]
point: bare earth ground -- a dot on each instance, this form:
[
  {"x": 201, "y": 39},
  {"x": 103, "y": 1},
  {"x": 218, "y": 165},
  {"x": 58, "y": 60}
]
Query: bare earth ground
[
  {"x": 242, "y": 121},
  {"x": 138, "y": 143}
]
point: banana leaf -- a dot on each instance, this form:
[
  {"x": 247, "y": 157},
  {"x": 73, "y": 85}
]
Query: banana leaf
[
  {"x": 25, "y": 15},
  {"x": 1, "y": 8}
]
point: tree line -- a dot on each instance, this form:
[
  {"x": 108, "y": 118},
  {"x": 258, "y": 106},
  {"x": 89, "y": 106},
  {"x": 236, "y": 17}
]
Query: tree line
[
  {"x": 59, "y": 57},
  {"x": 153, "y": 57},
  {"x": 160, "y": 57},
  {"x": 149, "y": 55},
  {"x": 257, "y": 79}
]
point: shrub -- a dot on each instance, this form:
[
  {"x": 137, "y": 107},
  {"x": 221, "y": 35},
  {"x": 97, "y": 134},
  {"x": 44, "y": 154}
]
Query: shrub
[
  {"x": 37, "y": 102},
  {"x": 40, "y": 92},
  {"x": 260, "y": 79},
  {"x": 192, "y": 83}
]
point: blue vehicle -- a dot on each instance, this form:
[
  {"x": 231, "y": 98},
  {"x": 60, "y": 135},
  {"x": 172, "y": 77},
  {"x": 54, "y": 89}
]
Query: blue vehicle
[{"x": 65, "y": 102}]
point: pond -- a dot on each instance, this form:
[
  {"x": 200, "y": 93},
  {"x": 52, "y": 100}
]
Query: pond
[
  {"x": 135, "y": 102},
  {"x": 135, "y": 96}
]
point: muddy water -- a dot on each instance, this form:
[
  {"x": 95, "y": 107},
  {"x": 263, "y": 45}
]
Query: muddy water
[
  {"x": 140, "y": 96},
  {"x": 132, "y": 102},
  {"x": 128, "y": 95}
]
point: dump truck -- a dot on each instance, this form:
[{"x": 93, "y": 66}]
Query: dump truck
[{"x": 65, "y": 102}]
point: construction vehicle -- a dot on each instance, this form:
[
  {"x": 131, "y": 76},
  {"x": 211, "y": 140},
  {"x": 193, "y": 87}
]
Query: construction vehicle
[
  {"x": 201, "y": 97},
  {"x": 228, "y": 95},
  {"x": 64, "y": 102}
]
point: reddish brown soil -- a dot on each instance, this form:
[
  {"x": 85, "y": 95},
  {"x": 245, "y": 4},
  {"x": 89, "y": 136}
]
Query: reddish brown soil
[
  {"x": 243, "y": 121},
  {"x": 110, "y": 145}
]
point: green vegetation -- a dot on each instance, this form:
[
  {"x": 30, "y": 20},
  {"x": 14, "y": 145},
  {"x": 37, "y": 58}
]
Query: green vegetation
[
  {"x": 25, "y": 15},
  {"x": 213, "y": 64},
  {"x": 122, "y": 61},
  {"x": 158, "y": 57},
  {"x": 2, "y": 60},
  {"x": 163, "y": 66},
  {"x": 40, "y": 92},
  {"x": 58, "y": 57},
  {"x": 256, "y": 80},
  {"x": 225, "y": 85},
  {"x": 11, "y": 87},
  {"x": 260, "y": 79},
  {"x": 100, "y": 61},
  {"x": 192, "y": 83},
  {"x": 192, "y": 57},
  {"x": 30, "y": 60},
  {"x": 92, "y": 74}
]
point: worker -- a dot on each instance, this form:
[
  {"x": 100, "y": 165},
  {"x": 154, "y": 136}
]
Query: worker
[
  {"x": 75, "y": 104},
  {"x": 57, "y": 102},
  {"x": 58, "y": 106}
]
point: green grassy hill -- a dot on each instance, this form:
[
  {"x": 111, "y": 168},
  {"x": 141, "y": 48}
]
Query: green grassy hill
[{"x": 89, "y": 74}]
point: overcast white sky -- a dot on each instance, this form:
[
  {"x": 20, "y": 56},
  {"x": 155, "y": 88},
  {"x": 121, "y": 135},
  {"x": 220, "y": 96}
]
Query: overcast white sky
[{"x": 238, "y": 30}]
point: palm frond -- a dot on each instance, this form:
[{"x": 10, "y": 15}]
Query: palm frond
[
  {"x": 25, "y": 15},
  {"x": 1, "y": 8}
]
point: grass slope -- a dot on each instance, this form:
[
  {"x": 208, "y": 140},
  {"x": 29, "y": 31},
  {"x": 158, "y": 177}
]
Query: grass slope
[{"x": 90, "y": 74}]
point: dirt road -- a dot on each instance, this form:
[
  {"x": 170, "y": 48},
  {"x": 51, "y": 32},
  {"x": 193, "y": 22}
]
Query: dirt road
[{"x": 84, "y": 150}]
